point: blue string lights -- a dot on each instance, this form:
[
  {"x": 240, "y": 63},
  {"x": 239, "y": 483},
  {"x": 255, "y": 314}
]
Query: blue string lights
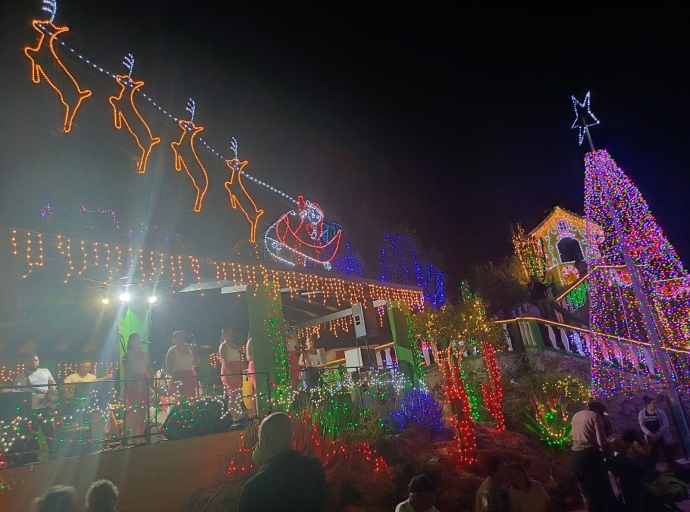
[
  {"x": 400, "y": 264},
  {"x": 419, "y": 408},
  {"x": 349, "y": 263}
]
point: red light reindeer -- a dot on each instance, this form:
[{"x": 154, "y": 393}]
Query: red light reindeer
[
  {"x": 239, "y": 197},
  {"x": 126, "y": 112},
  {"x": 46, "y": 63},
  {"x": 185, "y": 156}
]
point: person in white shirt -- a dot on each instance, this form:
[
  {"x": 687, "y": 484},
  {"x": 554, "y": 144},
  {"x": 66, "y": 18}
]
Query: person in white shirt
[
  {"x": 37, "y": 380},
  {"x": 309, "y": 363},
  {"x": 422, "y": 496}
]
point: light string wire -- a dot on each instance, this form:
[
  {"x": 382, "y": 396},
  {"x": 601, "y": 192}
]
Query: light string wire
[{"x": 170, "y": 115}]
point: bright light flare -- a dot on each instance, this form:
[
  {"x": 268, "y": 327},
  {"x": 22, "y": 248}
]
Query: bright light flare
[
  {"x": 125, "y": 297},
  {"x": 153, "y": 299},
  {"x": 105, "y": 300}
]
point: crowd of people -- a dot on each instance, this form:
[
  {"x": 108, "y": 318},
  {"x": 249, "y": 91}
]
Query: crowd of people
[{"x": 630, "y": 460}]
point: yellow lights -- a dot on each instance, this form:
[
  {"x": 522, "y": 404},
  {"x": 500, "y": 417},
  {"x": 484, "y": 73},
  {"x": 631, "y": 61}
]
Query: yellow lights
[
  {"x": 126, "y": 112},
  {"x": 244, "y": 201},
  {"x": 194, "y": 168},
  {"x": 57, "y": 249},
  {"x": 56, "y": 73},
  {"x": 105, "y": 300}
]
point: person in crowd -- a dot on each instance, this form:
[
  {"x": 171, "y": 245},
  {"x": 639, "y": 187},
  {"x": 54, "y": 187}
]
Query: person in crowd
[
  {"x": 180, "y": 362},
  {"x": 287, "y": 481},
  {"x": 136, "y": 390},
  {"x": 230, "y": 355},
  {"x": 36, "y": 380},
  {"x": 654, "y": 425},
  {"x": 101, "y": 497},
  {"x": 590, "y": 444},
  {"x": 524, "y": 494},
  {"x": 421, "y": 498},
  {"x": 492, "y": 495},
  {"x": 59, "y": 498},
  {"x": 580, "y": 266},
  {"x": 309, "y": 363}
]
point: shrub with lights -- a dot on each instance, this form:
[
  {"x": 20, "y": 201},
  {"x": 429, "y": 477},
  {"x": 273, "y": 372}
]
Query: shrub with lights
[
  {"x": 550, "y": 422},
  {"x": 419, "y": 408}
]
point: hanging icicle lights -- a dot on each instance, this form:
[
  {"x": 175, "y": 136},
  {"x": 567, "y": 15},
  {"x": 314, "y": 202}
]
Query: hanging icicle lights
[{"x": 150, "y": 265}]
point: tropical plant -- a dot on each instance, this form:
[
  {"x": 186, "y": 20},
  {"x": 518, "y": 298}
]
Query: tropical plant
[{"x": 550, "y": 422}]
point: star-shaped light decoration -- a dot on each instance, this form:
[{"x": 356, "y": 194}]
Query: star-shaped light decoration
[{"x": 581, "y": 124}]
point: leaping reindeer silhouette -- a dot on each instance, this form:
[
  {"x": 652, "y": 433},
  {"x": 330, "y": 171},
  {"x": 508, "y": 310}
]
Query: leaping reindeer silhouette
[
  {"x": 127, "y": 113},
  {"x": 239, "y": 197},
  {"x": 53, "y": 74},
  {"x": 193, "y": 166}
]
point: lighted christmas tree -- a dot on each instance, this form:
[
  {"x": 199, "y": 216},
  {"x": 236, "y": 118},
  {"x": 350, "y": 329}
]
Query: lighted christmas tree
[{"x": 622, "y": 356}]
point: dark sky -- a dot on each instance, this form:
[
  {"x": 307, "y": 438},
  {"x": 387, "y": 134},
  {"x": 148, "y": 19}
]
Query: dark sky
[{"x": 455, "y": 123}]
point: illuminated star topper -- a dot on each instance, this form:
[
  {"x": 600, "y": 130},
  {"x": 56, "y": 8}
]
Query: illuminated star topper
[
  {"x": 581, "y": 124},
  {"x": 50, "y": 6}
]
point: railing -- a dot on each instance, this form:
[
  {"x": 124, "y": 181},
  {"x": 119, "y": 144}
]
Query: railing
[
  {"x": 537, "y": 333},
  {"x": 51, "y": 422}
]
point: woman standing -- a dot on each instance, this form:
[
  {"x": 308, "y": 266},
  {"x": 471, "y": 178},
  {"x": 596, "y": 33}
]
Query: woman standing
[
  {"x": 309, "y": 362},
  {"x": 180, "y": 362},
  {"x": 136, "y": 389},
  {"x": 654, "y": 424}
]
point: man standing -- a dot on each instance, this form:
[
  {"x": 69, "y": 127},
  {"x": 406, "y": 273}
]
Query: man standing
[
  {"x": 587, "y": 458},
  {"x": 422, "y": 496},
  {"x": 654, "y": 424},
  {"x": 492, "y": 495},
  {"x": 37, "y": 380},
  {"x": 287, "y": 481}
]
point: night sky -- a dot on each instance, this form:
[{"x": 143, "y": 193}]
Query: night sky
[{"x": 452, "y": 123}]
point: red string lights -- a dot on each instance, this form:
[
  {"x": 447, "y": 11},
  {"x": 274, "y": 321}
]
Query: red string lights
[
  {"x": 491, "y": 387},
  {"x": 458, "y": 405},
  {"x": 57, "y": 73}
]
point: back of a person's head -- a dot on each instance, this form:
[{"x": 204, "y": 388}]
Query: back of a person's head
[
  {"x": 60, "y": 498},
  {"x": 101, "y": 496},
  {"x": 597, "y": 407},
  {"x": 493, "y": 464}
]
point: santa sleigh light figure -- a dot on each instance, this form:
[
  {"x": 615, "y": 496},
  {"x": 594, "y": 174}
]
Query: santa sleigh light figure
[{"x": 302, "y": 237}]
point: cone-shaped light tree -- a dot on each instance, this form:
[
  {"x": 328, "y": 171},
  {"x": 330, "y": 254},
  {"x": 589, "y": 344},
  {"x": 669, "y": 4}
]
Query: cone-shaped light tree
[{"x": 640, "y": 306}]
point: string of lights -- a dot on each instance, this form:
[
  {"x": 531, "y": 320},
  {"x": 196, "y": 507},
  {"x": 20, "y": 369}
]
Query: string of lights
[{"x": 46, "y": 27}]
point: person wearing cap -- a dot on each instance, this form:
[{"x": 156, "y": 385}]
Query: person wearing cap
[
  {"x": 492, "y": 495},
  {"x": 587, "y": 458},
  {"x": 654, "y": 425},
  {"x": 422, "y": 496}
]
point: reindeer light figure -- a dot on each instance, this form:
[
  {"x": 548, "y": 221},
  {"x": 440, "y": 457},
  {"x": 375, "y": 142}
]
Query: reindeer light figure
[
  {"x": 239, "y": 197},
  {"x": 46, "y": 63},
  {"x": 126, "y": 112},
  {"x": 191, "y": 163}
]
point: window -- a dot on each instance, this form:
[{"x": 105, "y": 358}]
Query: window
[{"x": 569, "y": 250}]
